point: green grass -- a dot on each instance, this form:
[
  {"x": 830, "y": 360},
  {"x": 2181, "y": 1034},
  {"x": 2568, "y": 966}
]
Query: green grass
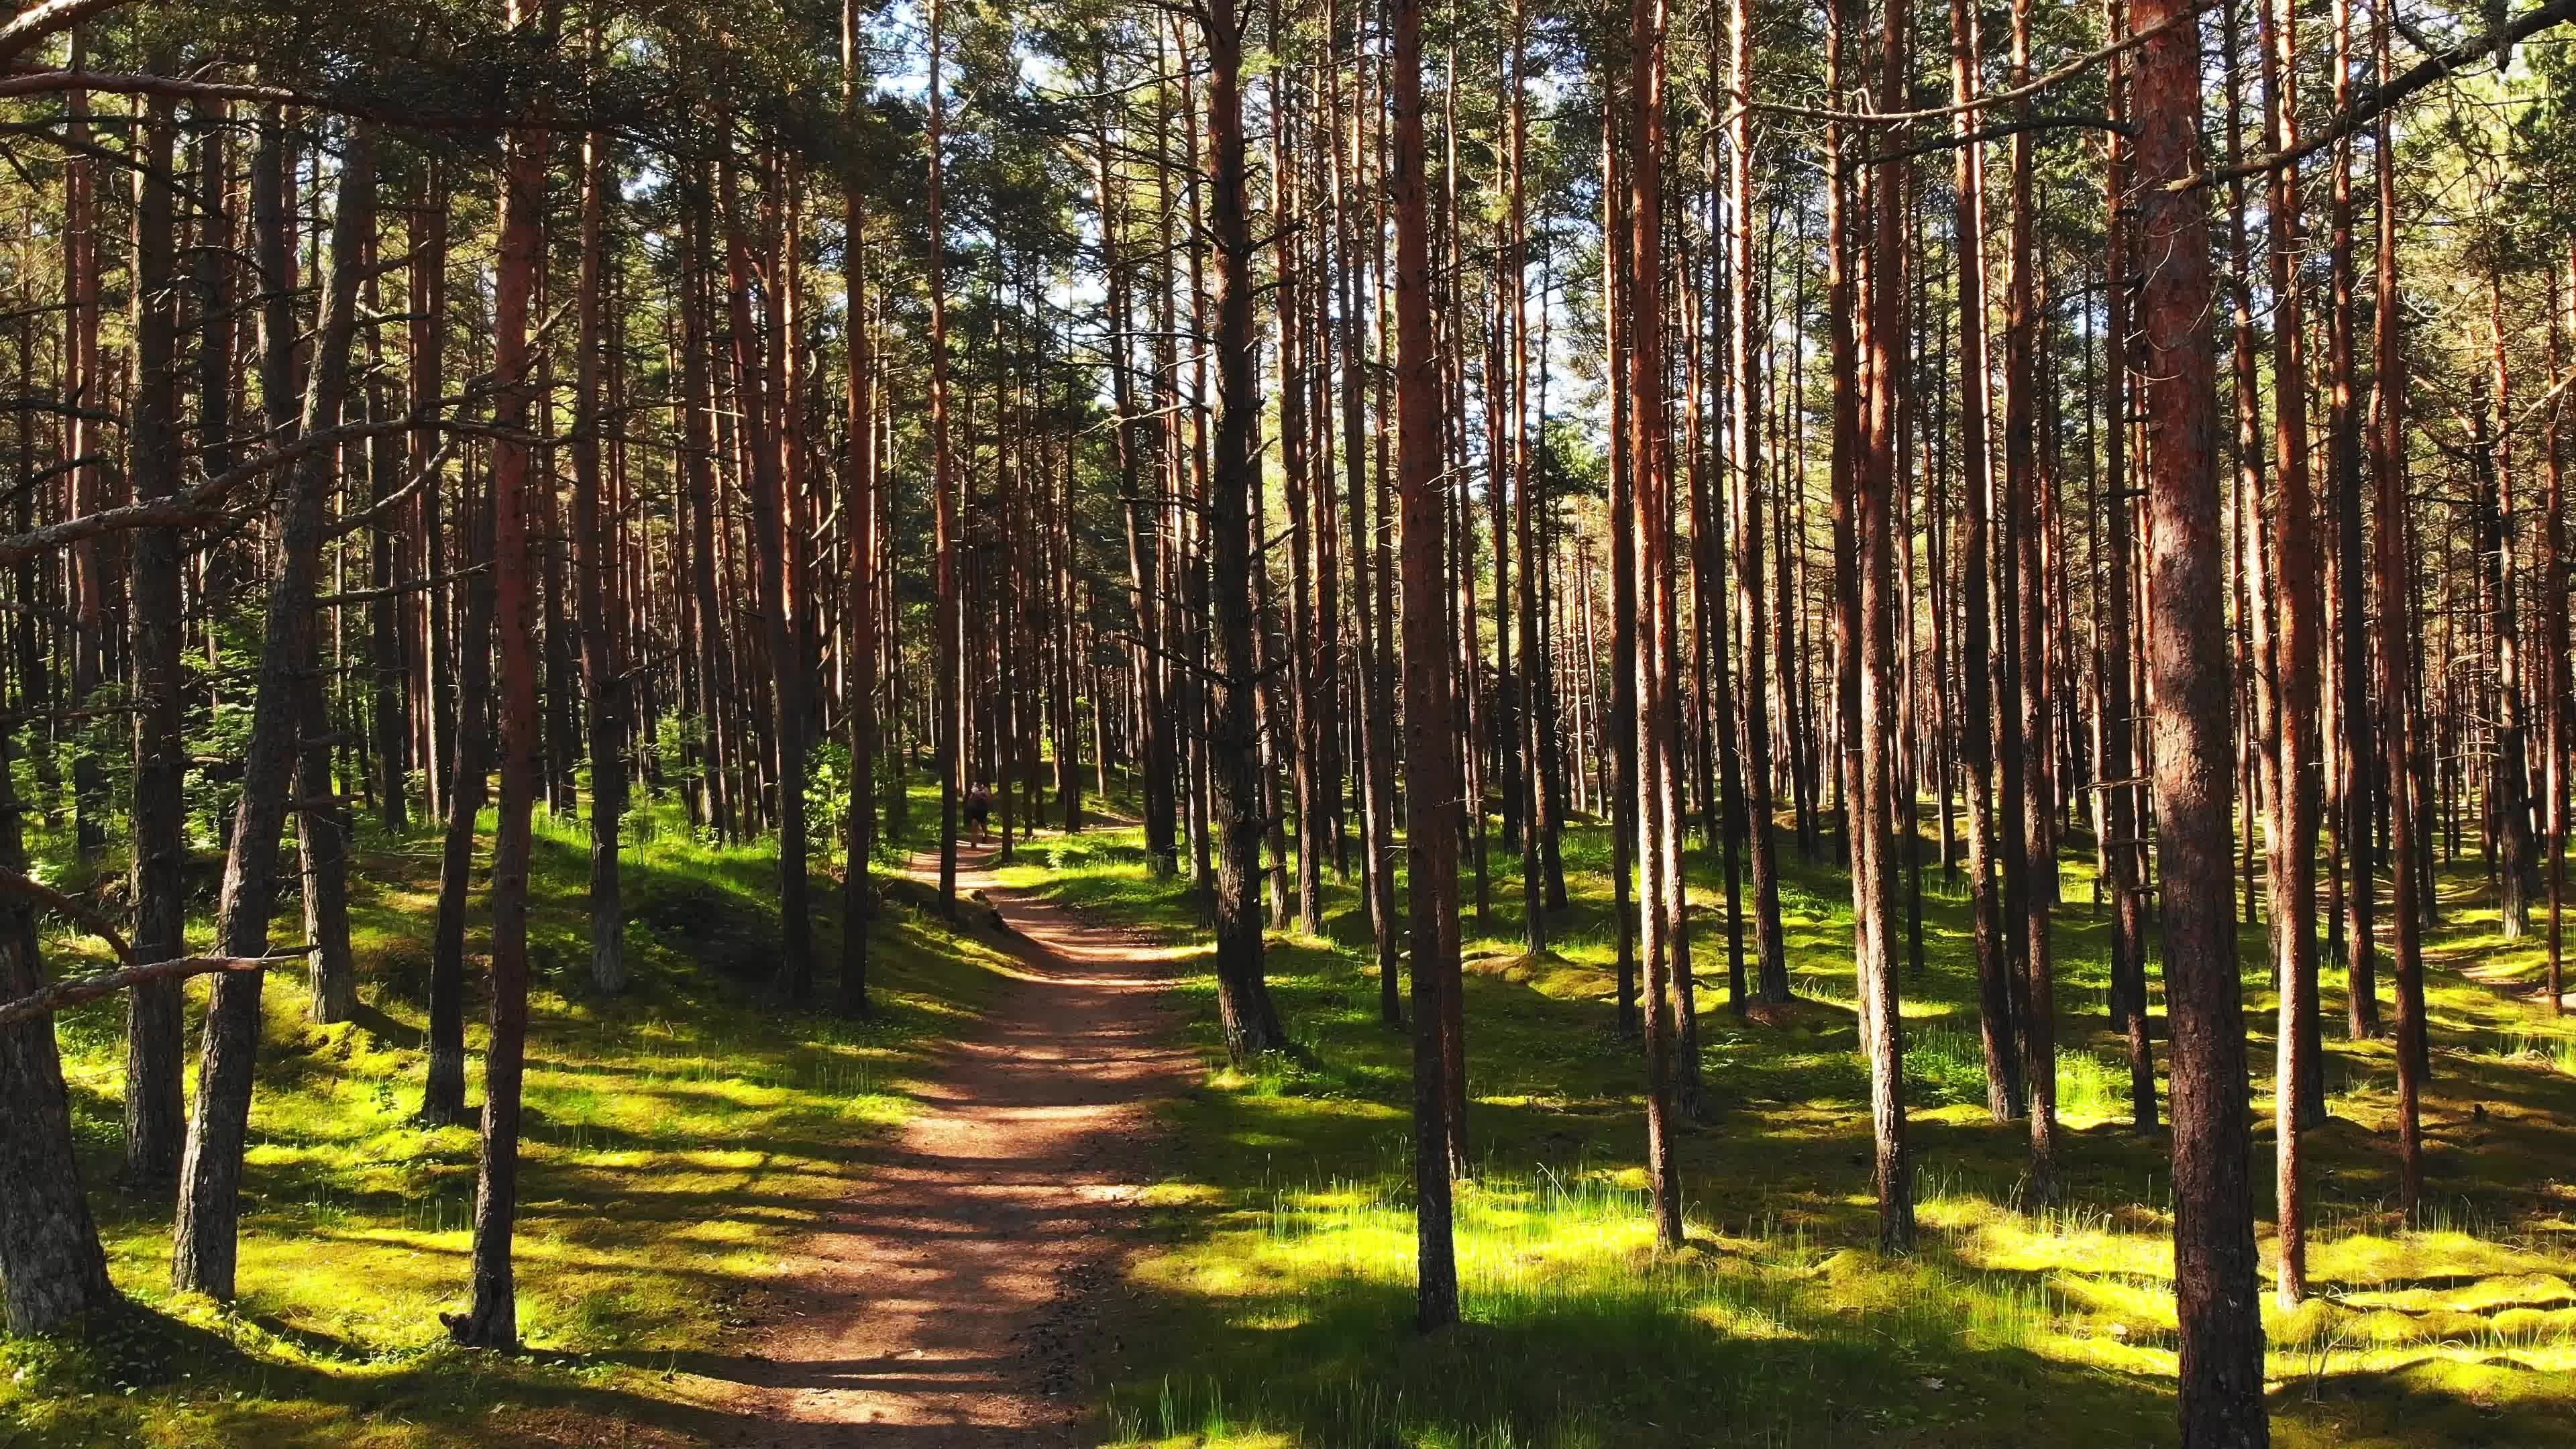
[
  {"x": 681, "y": 1136},
  {"x": 678, "y": 1138},
  {"x": 1274, "y": 1304}
]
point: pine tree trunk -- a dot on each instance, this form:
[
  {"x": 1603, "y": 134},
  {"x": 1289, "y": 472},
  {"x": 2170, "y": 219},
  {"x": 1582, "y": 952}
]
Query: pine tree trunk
[
  {"x": 1431, "y": 770},
  {"x": 1753, "y": 721},
  {"x": 859, "y": 505},
  {"x": 155, "y": 1115},
  {"x": 2035, "y": 802},
  {"x": 946, "y": 721},
  {"x": 602, "y": 674},
  {"x": 2215, "y": 1285},
  {"x": 1977, "y": 706},
  {"x": 2125, "y": 846},
  {"x": 1251, "y": 1023},
  {"x": 52, "y": 1270},
  {"x": 1873, "y": 863},
  {"x": 770, "y": 528},
  {"x": 209, "y": 1216},
  {"x": 1651, "y": 636},
  {"x": 492, "y": 1320}
]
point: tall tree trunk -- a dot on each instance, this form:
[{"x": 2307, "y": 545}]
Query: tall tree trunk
[
  {"x": 2295, "y": 606},
  {"x": 1753, "y": 722},
  {"x": 2036, "y": 805},
  {"x": 1310, "y": 686},
  {"x": 788, "y": 668},
  {"x": 1371, "y": 620},
  {"x": 1243, "y": 999},
  {"x": 492, "y": 1320},
  {"x": 1539, "y": 831},
  {"x": 2509, "y": 778},
  {"x": 602, "y": 674},
  {"x": 698, "y": 482},
  {"x": 443, "y": 1093},
  {"x": 155, "y": 1115},
  {"x": 1431, "y": 767},
  {"x": 86, "y": 485},
  {"x": 322, "y": 849},
  {"x": 1977, "y": 710},
  {"x": 945, "y": 719},
  {"x": 2357, "y": 751},
  {"x": 2124, "y": 851},
  {"x": 1618, "y": 336},
  {"x": 2215, "y": 1287},
  {"x": 1873, "y": 864},
  {"x": 52, "y": 1270},
  {"x": 1657, "y": 713},
  {"x": 859, "y": 508},
  {"x": 2554, "y": 582}
]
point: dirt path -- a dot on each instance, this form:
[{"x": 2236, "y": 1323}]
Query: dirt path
[{"x": 946, "y": 1303}]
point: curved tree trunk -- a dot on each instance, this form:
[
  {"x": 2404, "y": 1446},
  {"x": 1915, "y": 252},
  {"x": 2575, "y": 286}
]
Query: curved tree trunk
[{"x": 203, "y": 1254}]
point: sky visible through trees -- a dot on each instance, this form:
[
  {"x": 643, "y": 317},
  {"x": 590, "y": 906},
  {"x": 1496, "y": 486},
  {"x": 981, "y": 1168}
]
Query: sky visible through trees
[{"x": 2008, "y": 533}]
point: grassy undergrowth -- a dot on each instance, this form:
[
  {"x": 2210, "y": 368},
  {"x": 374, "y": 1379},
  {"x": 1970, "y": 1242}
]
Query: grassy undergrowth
[
  {"x": 1274, "y": 1305},
  {"x": 679, "y": 1137}
]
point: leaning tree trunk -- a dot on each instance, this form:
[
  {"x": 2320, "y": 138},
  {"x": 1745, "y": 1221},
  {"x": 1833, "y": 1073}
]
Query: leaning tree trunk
[
  {"x": 52, "y": 1270},
  {"x": 203, "y": 1255}
]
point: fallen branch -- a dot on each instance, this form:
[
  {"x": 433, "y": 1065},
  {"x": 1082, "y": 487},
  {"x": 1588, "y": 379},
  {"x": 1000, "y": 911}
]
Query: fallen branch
[
  {"x": 55, "y": 901},
  {"x": 72, "y": 991}
]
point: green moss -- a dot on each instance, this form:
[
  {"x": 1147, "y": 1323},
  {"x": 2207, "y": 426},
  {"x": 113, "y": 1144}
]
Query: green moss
[{"x": 679, "y": 1137}]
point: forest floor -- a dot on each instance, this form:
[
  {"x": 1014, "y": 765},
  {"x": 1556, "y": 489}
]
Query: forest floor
[
  {"x": 684, "y": 1143},
  {"x": 1028, "y": 1202},
  {"x": 1273, "y": 1307},
  {"x": 955, "y": 1300}
]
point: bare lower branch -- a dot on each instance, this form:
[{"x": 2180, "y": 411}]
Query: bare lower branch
[{"x": 75, "y": 990}]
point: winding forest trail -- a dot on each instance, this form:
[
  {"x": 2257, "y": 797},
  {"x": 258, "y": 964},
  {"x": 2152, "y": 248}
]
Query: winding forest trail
[{"x": 947, "y": 1303}]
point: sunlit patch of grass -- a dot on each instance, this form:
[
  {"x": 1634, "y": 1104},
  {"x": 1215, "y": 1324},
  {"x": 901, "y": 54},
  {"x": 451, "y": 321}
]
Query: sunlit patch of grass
[
  {"x": 678, "y": 1139},
  {"x": 1275, "y": 1308}
]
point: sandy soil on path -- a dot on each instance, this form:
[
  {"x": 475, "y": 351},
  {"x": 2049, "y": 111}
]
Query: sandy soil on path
[{"x": 948, "y": 1302}]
